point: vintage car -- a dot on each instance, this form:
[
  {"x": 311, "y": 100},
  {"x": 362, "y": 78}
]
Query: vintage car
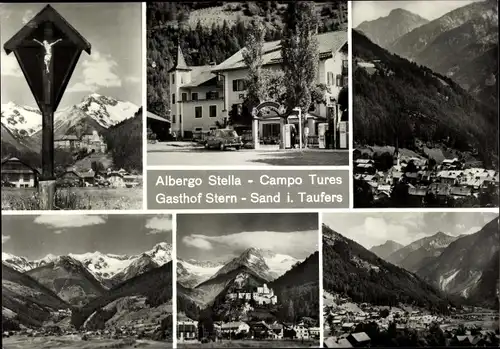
[{"x": 222, "y": 139}]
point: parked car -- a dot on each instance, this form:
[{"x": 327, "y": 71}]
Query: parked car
[{"x": 222, "y": 139}]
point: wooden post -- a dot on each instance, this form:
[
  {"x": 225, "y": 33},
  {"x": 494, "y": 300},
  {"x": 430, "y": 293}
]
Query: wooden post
[{"x": 47, "y": 184}]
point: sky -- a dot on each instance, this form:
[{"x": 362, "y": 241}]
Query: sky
[
  {"x": 430, "y": 10},
  {"x": 114, "y": 67},
  {"x": 372, "y": 229},
  {"x": 218, "y": 237},
  {"x": 35, "y": 237}
]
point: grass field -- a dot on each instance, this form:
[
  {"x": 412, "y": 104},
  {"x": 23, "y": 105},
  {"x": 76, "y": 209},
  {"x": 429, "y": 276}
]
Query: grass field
[
  {"x": 75, "y": 199},
  {"x": 248, "y": 343},
  {"x": 75, "y": 342}
]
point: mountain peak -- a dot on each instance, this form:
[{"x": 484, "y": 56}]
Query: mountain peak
[{"x": 400, "y": 11}]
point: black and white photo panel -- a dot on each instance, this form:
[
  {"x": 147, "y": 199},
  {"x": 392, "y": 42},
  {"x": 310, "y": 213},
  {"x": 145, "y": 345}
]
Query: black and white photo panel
[
  {"x": 248, "y": 280},
  {"x": 87, "y": 281},
  {"x": 419, "y": 279},
  {"x": 71, "y": 106},
  {"x": 425, "y": 104}
]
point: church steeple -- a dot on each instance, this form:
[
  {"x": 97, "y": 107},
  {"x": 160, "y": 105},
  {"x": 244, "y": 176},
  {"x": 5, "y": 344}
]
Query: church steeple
[{"x": 180, "y": 62}]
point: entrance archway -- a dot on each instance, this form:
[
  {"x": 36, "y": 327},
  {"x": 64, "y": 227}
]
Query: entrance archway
[{"x": 271, "y": 131}]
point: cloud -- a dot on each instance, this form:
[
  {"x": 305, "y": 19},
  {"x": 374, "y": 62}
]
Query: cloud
[
  {"x": 197, "y": 242},
  {"x": 28, "y": 16},
  {"x": 159, "y": 224},
  {"x": 133, "y": 79},
  {"x": 61, "y": 222},
  {"x": 98, "y": 71},
  {"x": 9, "y": 65},
  {"x": 5, "y": 238},
  {"x": 299, "y": 243}
]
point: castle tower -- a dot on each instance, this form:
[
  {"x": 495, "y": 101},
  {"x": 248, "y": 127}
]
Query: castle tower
[{"x": 179, "y": 74}]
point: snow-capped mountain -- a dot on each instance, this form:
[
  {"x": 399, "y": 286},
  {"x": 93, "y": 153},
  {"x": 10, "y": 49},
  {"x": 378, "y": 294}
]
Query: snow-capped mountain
[
  {"x": 94, "y": 112},
  {"x": 191, "y": 273},
  {"x": 102, "y": 266},
  {"x": 265, "y": 264},
  {"x": 22, "y": 264},
  {"x": 21, "y": 121},
  {"x": 107, "y": 111}
]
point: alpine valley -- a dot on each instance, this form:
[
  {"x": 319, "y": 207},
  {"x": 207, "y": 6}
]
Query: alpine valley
[
  {"x": 113, "y": 297},
  {"x": 257, "y": 285},
  {"x": 431, "y": 290}
]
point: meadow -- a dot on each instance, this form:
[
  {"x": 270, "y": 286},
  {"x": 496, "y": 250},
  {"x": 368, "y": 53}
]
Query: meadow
[
  {"x": 78, "y": 198},
  {"x": 75, "y": 342}
]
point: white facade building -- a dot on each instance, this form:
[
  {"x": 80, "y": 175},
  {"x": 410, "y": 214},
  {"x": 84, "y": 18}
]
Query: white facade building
[{"x": 202, "y": 95}]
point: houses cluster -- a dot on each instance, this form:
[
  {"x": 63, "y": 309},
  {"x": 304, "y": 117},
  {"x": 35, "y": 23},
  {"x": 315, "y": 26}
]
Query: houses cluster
[
  {"x": 188, "y": 330},
  {"x": 340, "y": 321},
  {"x": 361, "y": 339},
  {"x": 18, "y": 174},
  {"x": 109, "y": 178},
  {"x": 341, "y": 325},
  {"x": 262, "y": 296},
  {"x": 451, "y": 179}
]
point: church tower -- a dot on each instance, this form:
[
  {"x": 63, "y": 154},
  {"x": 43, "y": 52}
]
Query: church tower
[{"x": 179, "y": 75}]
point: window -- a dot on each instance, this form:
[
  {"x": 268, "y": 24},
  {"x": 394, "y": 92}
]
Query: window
[
  {"x": 194, "y": 96},
  {"x": 346, "y": 81},
  {"x": 213, "y": 111},
  {"x": 198, "y": 112},
  {"x": 184, "y": 96},
  {"x": 213, "y": 128},
  {"x": 329, "y": 78},
  {"x": 239, "y": 85},
  {"x": 198, "y": 129},
  {"x": 212, "y": 95},
  {"x": 173, "y": 98},
  {"x": 173, "y": 78},
  {"x": 345, "y": 63},
  {"x": 173, "y": 119},
  {"x": 339, "y": 80}
]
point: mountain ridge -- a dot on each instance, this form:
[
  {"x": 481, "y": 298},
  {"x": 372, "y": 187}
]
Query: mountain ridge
[{"x": 385, "y": 30}]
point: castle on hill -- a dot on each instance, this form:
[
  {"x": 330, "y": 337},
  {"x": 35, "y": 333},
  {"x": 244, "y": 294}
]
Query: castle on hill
[{"x": 263, "y": 295}]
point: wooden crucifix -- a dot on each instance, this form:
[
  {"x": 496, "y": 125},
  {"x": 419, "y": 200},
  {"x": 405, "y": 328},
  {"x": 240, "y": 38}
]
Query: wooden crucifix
[{"x": 47, "y": 49}]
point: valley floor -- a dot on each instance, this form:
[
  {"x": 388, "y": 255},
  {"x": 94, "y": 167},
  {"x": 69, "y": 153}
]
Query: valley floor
[
  {"x": 76, "y": 199},
  {"x": 248, "y": 343},
  {"x": 75, "y": 342}
]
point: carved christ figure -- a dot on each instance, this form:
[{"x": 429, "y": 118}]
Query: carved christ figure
[{"x": 48, "y": 51}]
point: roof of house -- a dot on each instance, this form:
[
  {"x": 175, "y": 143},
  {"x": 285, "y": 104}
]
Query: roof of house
[
  {"x": 335, "y": 342},
  {"x": 233, "y": 324},
  {"x": 271, "y": 51},
  {"x": 156, "y": 117},
  {"x": 360, "y": 337},
  {"x": 460, "y": 191},
  {"x": 67, "y": 138},
  {"x": 200, "y": 75},
  {"x": 422, "y": 191}
]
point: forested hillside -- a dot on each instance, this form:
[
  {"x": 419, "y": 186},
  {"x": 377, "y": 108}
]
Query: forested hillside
[
  {"x": 351, "y": 270},
  {"x": 401, "y": 102},
  {"x": 124, "y": 142},
  {"x": 212, "y": 31}
]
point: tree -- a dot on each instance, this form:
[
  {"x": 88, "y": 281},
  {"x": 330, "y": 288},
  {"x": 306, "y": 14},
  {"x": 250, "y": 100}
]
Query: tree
[
  {"x": 299, "y": 52},
  {"x": 252, "y": 57},
  {"x": 291, "y": 311}
]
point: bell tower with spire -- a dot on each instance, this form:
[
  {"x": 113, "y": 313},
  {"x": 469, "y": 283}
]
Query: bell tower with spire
[{"x": 179, "y": 75}]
